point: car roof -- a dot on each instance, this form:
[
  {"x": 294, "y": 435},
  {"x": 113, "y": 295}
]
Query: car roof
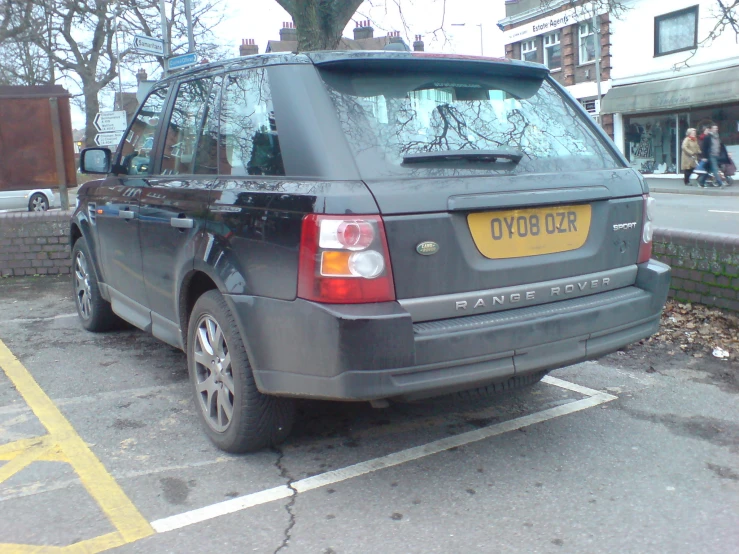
[{"x": 366, "y": 59}]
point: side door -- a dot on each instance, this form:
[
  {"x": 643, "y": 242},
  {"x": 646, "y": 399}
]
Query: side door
[
  {"x": 255, "y": 219},
  {"x": 116, "y": 214},
  {"x": 13, "y": 199},
  {"x": 174, "y": 205}
]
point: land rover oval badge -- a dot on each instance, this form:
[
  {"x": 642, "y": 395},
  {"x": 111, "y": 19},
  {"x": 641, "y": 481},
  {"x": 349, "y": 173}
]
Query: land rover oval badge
[{"x": 427, "y": 248}]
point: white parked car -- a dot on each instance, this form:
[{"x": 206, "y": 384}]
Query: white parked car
[{"x": 38, "y": 200}]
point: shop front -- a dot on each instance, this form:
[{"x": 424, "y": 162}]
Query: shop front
[{"x": 651, "y": 118}]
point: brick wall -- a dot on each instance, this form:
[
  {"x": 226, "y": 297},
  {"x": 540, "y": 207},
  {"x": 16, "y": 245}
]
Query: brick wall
[
  {"x": 705, "y": 266},
  {"x": 34, "y": 243}
]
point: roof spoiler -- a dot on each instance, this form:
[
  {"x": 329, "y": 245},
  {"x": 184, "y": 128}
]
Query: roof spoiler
[{"x": 426, "y": 61}]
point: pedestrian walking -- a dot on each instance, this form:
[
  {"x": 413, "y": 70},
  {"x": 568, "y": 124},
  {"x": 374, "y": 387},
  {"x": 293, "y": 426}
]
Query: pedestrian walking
[
  {"x": 711, "y": 151},
  {"x": 691, "y": 150}
]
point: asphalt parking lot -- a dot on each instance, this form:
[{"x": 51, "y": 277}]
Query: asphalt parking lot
[{"x": 101, "y": 450}]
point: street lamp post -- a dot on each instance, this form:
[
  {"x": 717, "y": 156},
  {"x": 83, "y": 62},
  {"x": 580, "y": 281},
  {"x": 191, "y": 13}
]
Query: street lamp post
[{"x": 482, "y": 53}]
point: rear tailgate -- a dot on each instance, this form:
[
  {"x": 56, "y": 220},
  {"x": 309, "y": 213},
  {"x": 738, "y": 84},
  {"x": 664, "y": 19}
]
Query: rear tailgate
[
  {"x": 531, "y": 229},
  {"x": 488, "y": 176}
]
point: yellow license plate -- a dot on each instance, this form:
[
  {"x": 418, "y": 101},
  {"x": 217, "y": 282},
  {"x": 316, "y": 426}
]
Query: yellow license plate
[{"x": 530, "y": 232}]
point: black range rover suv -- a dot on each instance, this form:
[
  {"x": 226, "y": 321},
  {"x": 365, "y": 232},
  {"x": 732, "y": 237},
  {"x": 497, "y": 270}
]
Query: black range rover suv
[{"x": 364, "y": 226}]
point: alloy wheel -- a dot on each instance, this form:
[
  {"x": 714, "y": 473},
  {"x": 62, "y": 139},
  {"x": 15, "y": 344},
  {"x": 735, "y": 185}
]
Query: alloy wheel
[
  {"x": 38, "y": 203},
  {"x": 82, "y": 285},
  {"x": 214, "y": 375}
]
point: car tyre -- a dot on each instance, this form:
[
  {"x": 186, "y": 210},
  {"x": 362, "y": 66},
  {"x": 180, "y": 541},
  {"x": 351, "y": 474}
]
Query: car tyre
[
  {"x": 38, "y": 203},
  {"x": 236, "y": 416},
  {"x": 94, "y": 311}
]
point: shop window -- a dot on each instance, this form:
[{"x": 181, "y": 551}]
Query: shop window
[
  {"x": 592, "y": 107},
  {"x": 651, "y": 143},
  {"x": 676, "y": 31},
  {"x": 587, "y": 42},
  {"x": 528, "y": 50},
  {"x": 552, "y": 51}
]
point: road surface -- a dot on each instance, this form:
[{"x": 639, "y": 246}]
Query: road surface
[
  {"x": 98, "y": 432},
  {"x": 715, "y": 214}
]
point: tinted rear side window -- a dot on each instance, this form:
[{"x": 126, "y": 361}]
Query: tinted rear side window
[
  {"x": 387, "y": 116},
  {"x": 249, "y": 144}
]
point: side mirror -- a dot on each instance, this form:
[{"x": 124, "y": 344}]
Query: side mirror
[{"x": 95, "y": 160}]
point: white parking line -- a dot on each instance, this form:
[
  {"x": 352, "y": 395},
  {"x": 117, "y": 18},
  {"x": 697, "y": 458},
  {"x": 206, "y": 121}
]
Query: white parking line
[
  {"x": 723, "y": 212},
  {"x": 206, "y": 513},
  {"x": 574, "y": 387}
]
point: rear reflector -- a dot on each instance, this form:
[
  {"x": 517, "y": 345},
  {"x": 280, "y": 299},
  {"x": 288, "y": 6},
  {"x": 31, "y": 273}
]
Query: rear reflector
[
  {"x": 344, "y": 261},
  {"x": 645, "y": 246}
]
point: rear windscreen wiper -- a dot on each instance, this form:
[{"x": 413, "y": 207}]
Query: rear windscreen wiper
[{"x": 509, "y": 156}]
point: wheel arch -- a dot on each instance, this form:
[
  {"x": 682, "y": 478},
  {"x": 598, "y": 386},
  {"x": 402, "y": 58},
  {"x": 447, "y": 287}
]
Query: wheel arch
[
  {"x": 75, "y": 234},
  {"x": 79, "y": 227},
  {"x": 42, "y": 194},
  {"x": 194, "y": 284}
]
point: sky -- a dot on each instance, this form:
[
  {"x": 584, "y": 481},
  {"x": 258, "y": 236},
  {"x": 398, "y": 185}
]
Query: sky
[
  {"x": 262, "y": 19},
  {"x": 450, "y": 26}
]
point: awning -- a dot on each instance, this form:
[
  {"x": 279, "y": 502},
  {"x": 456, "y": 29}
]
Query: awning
[{"x": 703, "y": 89}]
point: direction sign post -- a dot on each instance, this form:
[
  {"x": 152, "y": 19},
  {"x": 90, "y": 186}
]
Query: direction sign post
[
  {"x": 110, "y": 121},
  {"x": 148, "y": 45},
  {"x": 185, "y": 60},
  {"x": 108, "y": 139}
]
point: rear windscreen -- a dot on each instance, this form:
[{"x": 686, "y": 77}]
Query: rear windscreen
[{"x": 389, "y": 116}]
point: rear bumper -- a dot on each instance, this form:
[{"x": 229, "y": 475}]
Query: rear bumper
[{"x": 366, "y": 352}]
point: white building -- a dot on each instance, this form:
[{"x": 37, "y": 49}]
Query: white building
[
  {"x": 668, "y": 75},
  {"x": 661, "y": 73},
  {"x": 562, "y": 37}
]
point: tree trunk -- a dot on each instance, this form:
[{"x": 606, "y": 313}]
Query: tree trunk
[
  {"x": 92, "y": 107},
  {"x": 317, "y": 27}
]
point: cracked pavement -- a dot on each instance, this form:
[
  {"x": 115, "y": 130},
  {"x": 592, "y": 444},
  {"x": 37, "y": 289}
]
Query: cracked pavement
[
  {"x": 655, "y": 470},
  {"x": 290, "y": 503}
]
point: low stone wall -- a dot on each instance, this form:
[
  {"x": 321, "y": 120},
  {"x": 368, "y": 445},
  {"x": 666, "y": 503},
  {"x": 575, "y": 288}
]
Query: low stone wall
[
  {"x": 34, "y": 243},
  {"x": 705, "y": 266}
]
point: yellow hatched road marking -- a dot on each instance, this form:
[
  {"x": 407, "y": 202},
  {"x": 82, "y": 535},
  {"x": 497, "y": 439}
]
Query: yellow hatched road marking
[
  {"x": 22, "y": 460},
  {"x": 64, "y": 444},
  {"x": 11, "y": 449}
]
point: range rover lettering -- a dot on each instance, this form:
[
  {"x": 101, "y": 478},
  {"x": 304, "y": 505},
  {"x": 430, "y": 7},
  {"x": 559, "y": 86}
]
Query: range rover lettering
[{"x": 364, "y": 226}]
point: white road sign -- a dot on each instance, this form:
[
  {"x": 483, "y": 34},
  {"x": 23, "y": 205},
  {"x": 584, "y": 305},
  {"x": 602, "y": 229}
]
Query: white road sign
[
  {"x": 108, "y": 139},
  {"x": 106, "y": 122},
  {"x": 148, "y": 45}
]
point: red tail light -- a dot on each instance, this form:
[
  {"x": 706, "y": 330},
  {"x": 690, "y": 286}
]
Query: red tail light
[
  {"x": 344, "y": 260},
  {"x": 645, "y": 245}
]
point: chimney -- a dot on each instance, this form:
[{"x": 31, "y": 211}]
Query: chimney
[
  {"x": 248, "y": 47},
  {"x": 141, "y": 76},
  {"x": 363, "y": 30},
  {"x": 395, "y": 43},
  {"x": 418, "y": 44},
  {"x": 288, "y": 32}
]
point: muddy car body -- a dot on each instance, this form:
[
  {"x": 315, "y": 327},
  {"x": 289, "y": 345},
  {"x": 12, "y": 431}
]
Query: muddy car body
[{"x": 363, "y": 226}]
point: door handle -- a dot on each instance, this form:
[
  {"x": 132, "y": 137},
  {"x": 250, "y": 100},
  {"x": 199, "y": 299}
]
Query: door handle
[
  {"x": 181, "y": 222},
  {"x": 126, "y": 214}
]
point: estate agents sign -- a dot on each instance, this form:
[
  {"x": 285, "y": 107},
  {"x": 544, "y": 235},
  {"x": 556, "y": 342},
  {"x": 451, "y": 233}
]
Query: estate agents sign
[{"x": 550, "y": 23}]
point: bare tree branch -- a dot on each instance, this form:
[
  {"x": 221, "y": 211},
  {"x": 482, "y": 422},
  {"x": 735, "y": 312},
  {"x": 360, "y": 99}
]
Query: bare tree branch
[{"x": 17, "y": 18}]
